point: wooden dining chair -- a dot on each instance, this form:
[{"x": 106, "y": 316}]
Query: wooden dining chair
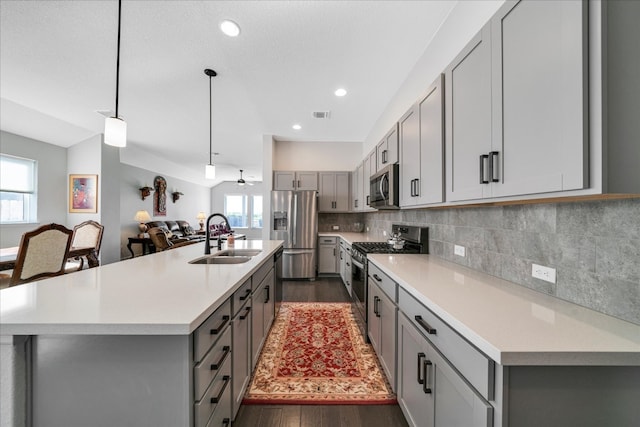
[
  {"x": 87, "y": 234},
  {"x": 43, "y": 253}
]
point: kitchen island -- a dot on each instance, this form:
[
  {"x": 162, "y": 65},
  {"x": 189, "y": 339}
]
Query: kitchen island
[{"x": 114, "y": 345}]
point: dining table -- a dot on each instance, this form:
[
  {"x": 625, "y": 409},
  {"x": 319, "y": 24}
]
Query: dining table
[{"x": 8, "y": 256}]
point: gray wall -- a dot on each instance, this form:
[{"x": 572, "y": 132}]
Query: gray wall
[
  {"x": 52, "y": 183},
  {"x": 594, "y": 246},
  {"x": 196, "y": 198}
]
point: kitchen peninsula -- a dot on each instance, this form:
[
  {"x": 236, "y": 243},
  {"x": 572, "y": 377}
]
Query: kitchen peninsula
[{"x": 117, "y": 344}]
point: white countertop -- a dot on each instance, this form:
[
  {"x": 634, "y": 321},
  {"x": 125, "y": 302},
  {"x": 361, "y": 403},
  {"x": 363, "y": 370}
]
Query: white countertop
[
  {"x": 511, "y": 324},
  {"x": 351, "y": 237},
  {"x": 157, "y": 294}
]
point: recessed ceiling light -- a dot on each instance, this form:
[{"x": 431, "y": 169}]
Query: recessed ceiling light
[
  {"x": 230, "y": 28},
  {"x": 296, "y": 127},
  {"x": 340, "y": 92}
]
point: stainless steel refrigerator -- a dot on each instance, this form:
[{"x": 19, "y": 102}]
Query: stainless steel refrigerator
[{"x": 294, "y": 219}]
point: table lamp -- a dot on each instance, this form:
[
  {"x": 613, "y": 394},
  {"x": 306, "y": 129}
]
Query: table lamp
[
  {"x": 201, "y": 217},
  {"x": 142, "y": 217}
]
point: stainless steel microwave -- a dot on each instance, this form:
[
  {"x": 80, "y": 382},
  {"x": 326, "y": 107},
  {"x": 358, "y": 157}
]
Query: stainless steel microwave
[{"x": 384, "y": 188}]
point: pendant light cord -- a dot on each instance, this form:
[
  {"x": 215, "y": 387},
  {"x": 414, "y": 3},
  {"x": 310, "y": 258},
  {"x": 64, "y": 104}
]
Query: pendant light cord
[
  {"x": 210, "y": 125},
  {"x": 118, "y": 56}
]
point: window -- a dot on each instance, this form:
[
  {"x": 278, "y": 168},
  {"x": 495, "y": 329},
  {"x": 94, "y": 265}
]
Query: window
[
  {"x": 243, "y": 211},
  {"x": 17, "y": 190}
]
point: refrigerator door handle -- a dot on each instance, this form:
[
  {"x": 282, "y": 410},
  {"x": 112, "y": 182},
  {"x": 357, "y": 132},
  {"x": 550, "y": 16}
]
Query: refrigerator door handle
[{"x": 294, "y": 217}]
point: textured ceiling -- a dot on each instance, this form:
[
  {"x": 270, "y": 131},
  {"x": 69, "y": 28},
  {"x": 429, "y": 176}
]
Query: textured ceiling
[{"x": 57, "y": 68}]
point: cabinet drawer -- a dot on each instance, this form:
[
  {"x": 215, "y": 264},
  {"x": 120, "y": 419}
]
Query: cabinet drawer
[
  {"x": 214, "y": 397},
  {"x": 387, "y": 285},
  {"x": 477, "y": 368},
  {"x": 327, "y": 240},
  {"x": 259, "y": 275},
  {"x": 241, "y": 296},
  {"x": 205, "y": 371},
  {"x": 211, "y": 330}
]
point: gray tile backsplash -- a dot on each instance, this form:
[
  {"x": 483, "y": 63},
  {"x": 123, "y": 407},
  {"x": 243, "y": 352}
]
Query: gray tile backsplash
[{"x": 594, "y": 246}]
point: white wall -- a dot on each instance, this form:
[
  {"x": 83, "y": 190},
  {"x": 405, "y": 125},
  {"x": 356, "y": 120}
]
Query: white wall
[
  {"x": 196, "y": 198},
  {"x": 52, "y": 183},
  {"x": 316, "y": 156},
  {"x": 464, "y": 21},
  {"x": 231, "y": 187}
]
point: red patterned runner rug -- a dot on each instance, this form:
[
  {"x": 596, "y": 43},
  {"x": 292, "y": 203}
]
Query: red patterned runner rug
[{"x": 314, "y": 354}]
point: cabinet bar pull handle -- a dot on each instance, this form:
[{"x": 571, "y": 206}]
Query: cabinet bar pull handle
[
  {"x": 217, "y": 330},
  {"x": 268, "y": 290},
  {"x": 293, "y": 184},
  {"x": 226, "y": 380},
  {"x": 368, "y": 202},
  {"x": 413, "y": 188},
  {"x": 298, "y": 183},
  {"x": 417, "y": 187},
  {"x": 246, "y": 295},
  {"x": 376, "y": 300},
  {"x": 425, "y": 365},
  {"x": 375, "y": 276},
  {"x": 226, "y": 422},
  {"x": 493, "y": 167},
  {"x": 420, "y": 357},
  {"x": 248, "y": 309},
  {"x": 218, "y": 364},
  {"x": 483, "y": 157},
  {"x": 425, "y": 325}
]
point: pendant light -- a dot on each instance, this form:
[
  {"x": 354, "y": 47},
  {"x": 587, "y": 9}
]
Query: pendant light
[
  {"x": 210, "y": 169},
  {"x": 115, "y": 129}
]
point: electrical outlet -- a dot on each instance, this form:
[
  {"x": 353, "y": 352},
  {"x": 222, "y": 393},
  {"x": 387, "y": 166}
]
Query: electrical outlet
[
  {"x": 384, "y": 233},
  {"x": 336, "y": 227},
  {"x": 367, "y": 229},
  {"x": 548, "y": 274},
  {"x": 459, "y": 250}
]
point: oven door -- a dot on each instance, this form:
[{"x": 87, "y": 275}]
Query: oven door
[{"x": 359, "y": 293}]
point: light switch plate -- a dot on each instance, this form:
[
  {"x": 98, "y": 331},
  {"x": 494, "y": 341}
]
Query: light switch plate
[
  {"x": 459, "y": 250},
  {"x": 336, "y": 227}
]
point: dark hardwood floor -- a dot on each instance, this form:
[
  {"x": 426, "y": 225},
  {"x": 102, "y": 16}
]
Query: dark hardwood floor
[{"x": 324, "y": 289}]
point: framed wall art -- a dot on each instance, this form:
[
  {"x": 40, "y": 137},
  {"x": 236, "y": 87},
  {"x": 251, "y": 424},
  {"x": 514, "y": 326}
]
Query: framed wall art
[{"x": 83, "y": 193}]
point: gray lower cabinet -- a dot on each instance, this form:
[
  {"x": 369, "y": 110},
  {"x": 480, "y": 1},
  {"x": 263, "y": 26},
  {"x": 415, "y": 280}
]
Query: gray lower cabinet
[
  {"x": 241, "y": 327},
  {"x": 382, "y": 329},
  {"x": 328, "y": 255},
  {"x": 430, "y": 390},
  {"x": 262, "y": 314}
]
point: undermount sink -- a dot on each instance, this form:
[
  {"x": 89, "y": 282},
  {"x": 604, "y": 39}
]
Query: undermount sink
[
  {"x": 214, "y": 259},
  {"x": 238, "y": 252}
]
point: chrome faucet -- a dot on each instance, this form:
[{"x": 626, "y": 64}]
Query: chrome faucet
[{"x": 207, "y": 246}]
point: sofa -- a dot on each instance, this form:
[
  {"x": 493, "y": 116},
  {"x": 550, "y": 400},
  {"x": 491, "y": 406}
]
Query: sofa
[{"x": 176, "y": 230}]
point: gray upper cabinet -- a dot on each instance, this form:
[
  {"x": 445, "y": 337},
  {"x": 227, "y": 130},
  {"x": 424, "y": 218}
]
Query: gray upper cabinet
[
  {"x": 370, "y": 168},
  {"x": 333, "y": 194},
  {"x": 468, "y": 117},
  {"x": 357, "y": 188},
  {"x": 289, "y": 180},
  {"x": 387, "y": 149},
  {"x": 539, "y": 97},
  {"x": 421, "y": 149},
  {"x": 517, "y": 104}
]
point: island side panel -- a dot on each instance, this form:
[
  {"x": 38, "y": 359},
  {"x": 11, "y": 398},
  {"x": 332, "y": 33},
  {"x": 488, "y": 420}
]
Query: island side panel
[
  {"x": 585, "y": 396},
  {"x": 111, "y": 381}
]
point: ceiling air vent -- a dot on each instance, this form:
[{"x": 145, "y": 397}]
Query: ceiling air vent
[{"x": 321, "y": 114}]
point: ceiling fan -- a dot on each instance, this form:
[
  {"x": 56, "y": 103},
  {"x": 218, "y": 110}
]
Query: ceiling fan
[{"x": 241, "y": 181}]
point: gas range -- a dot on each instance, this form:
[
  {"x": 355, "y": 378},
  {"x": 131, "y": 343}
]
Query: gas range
[
  {"x": 416, "y": 242},
  {"x": 384, "y": 248}
]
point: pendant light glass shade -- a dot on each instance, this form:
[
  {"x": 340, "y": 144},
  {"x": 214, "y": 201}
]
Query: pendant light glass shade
[
  {"x": 115, "y": 132},
  {"x": 210, "y": 172}
]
